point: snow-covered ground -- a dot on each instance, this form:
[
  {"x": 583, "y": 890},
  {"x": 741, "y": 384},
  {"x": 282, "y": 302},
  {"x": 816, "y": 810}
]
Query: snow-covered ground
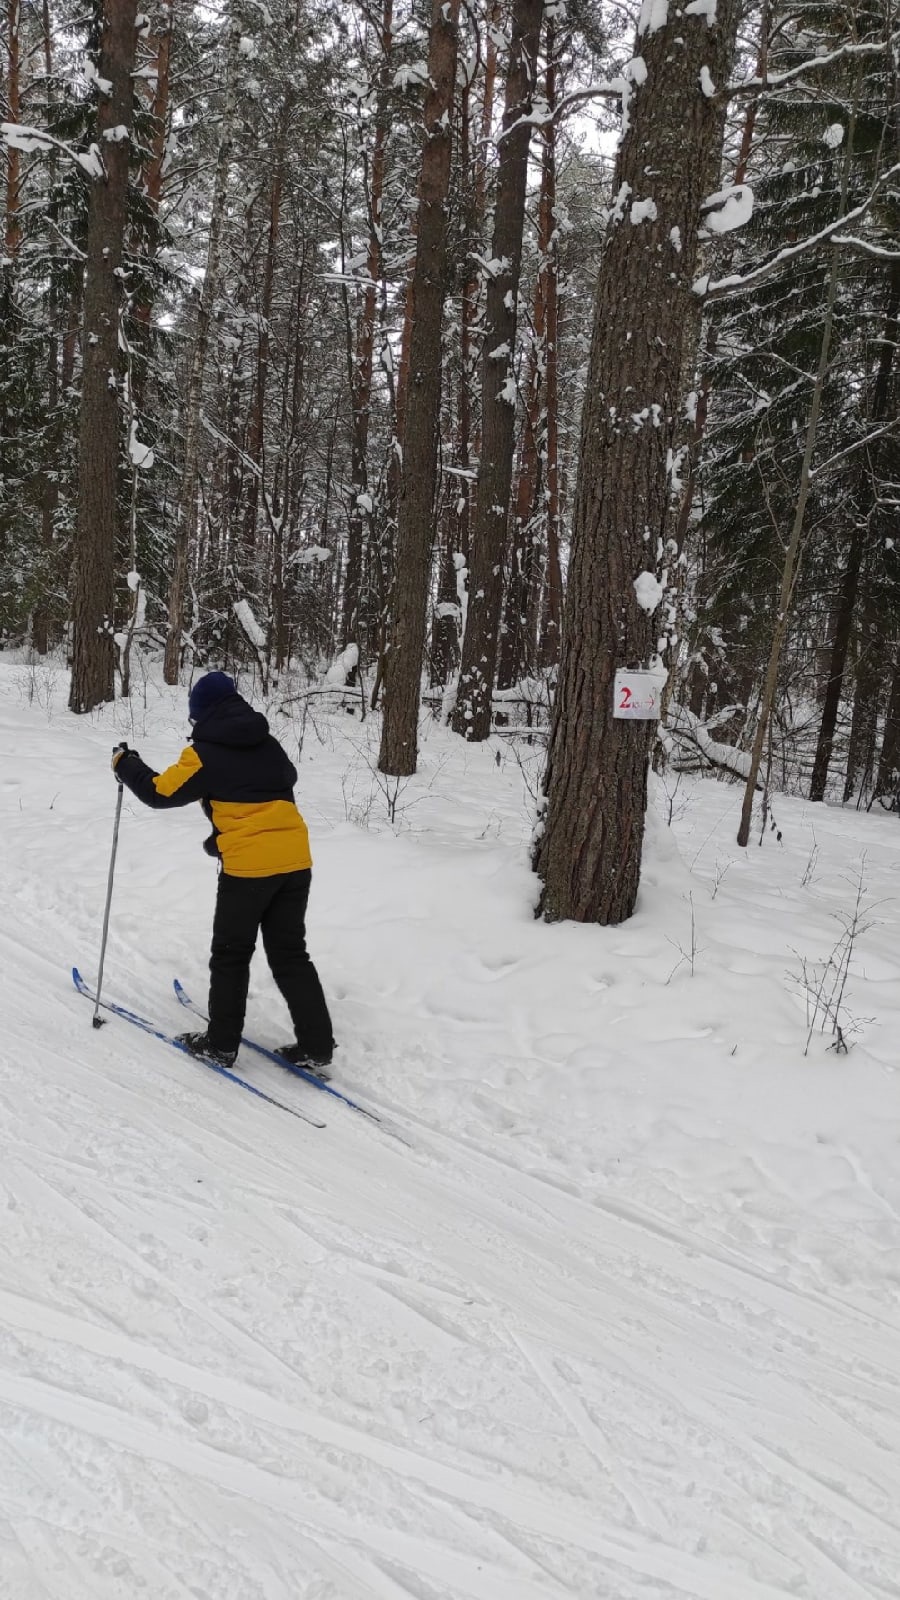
[{"x": 623, "y": 1322}]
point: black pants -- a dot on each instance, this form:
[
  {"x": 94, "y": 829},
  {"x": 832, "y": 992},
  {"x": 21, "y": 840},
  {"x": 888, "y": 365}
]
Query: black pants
[{"x": 275, "y": 906}]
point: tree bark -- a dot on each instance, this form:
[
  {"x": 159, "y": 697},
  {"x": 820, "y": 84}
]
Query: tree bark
[
  {"x": 645, "y": 330},
  {"x": 472, "y": 715},
  {"x": 409, "y": 598},
  {"x": 97, "y": 520},
  {"x": 184, "y": 528}
]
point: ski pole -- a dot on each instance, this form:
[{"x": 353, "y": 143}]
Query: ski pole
[{"x": 98, "y": 1021}]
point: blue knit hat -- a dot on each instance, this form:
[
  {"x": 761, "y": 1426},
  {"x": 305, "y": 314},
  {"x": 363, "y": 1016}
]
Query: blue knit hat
[{"x": 207, "y": 692}]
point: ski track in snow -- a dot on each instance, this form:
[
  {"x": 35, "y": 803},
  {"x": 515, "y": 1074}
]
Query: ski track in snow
[{"x": 604, "y": 1331}]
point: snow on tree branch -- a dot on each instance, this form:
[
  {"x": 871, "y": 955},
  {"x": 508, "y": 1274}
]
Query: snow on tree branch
[
  {"x": 19, "y": 137},
  {"x": 832, "y": 233},
  {"x": 756, "y": 86},
  {"x": 858, "y": 444},
  {"x": 692, "y": 738},
  {"x": 865, "y": 247}
]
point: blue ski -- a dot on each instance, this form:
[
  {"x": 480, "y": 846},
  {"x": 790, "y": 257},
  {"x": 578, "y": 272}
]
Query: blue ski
[
  {"x": 287, "y": 1066},
  {"x": 204, "y": 1061}
]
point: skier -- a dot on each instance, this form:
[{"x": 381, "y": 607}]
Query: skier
[{"x": 244, "y": 781}]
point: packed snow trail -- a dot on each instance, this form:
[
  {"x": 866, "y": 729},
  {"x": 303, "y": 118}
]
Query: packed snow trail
[{"x": 241, "y": 1359}]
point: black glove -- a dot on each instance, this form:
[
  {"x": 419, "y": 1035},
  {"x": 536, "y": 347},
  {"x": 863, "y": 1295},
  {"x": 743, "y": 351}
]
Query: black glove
[
  {"x": 119, "y": 751},
  {"x": 211, "y": 845}
]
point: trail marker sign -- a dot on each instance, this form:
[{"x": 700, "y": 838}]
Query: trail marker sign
[{"x": 637, "y": 695}]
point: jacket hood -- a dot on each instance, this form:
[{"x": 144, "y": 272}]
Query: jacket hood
[{"x": 232, "y": 722}]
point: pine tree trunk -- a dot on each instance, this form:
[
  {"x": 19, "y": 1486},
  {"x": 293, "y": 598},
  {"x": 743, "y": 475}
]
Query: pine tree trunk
[
  {"x": 406, "y": 638},
  {"x": 97, "y": 520},
  {"x": 472, "y": 715},
  {"x": 184, "y": 528},
  {"x": 645, "y": 328}
]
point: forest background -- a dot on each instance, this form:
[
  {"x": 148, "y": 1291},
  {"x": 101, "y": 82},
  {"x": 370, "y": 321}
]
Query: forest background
[{"x": 456, "y": 356}]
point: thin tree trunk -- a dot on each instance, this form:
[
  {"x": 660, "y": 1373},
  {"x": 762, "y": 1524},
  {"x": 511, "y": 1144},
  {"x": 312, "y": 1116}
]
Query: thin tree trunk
[
  {"x": 360, "y": 522},
  {"x": 476, "y": 164},
  {"x": 41, "y": 618},
  {"x": 866, "y": 700},
  {"x": 159, "y": 113},
  {"x": 159, "y": 110},
  {"x": 850, "y": 587},
  {"x": 888, "y": 779},
  {"x": 838, "y": 660},
  {"x": 514, "y": 655},
  {"x": 406, "y": 639},
  {"x": 518, "y": 652},
  {"x": 13, "y": 229},
  {"x": 551, "y": 617},
  {"x": 445, "y": 625},
  {"x": 472, "y": 715},
  {"x": 793, "y": 553},
  {"x": 256, "y": 437},
  {"x": 184, "y": 528},
  {"x": 393, "y": 475},
  {"x": 701, "y": 413},
  {"x": 97, "y": 519},
  {"x": 645, "y": 329}
]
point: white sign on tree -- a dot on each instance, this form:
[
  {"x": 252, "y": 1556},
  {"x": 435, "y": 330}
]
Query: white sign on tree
[{"x": 638, "y": 694}]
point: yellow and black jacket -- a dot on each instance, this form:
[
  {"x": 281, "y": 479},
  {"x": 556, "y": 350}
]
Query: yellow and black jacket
[{"x": 245, "y": 784}]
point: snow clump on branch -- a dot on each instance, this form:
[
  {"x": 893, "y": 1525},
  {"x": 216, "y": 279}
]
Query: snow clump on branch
[
  {"x": 702, "y": 8},
  {"x": 735, "y": 208},
  {"x": 648, "y": 591},
  {"x": 654, "y": 15}
]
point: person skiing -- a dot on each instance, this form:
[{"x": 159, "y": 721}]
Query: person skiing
[{"x": 244, "y": 782}]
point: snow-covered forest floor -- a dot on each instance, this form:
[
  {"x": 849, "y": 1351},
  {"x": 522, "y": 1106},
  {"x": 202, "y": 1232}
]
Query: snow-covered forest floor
[{"x": 623, "y": 1323}]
